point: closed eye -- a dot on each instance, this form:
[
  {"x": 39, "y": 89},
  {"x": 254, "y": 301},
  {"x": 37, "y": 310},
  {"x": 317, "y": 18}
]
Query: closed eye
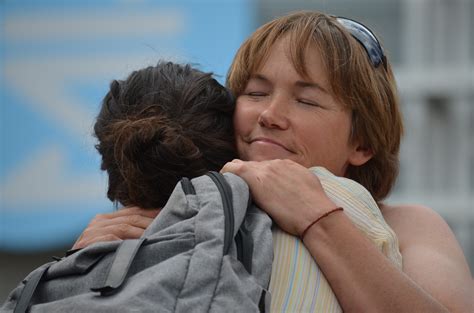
[
  {"x": 256, "y": 94},
  {"x": 308, "y": 102}
]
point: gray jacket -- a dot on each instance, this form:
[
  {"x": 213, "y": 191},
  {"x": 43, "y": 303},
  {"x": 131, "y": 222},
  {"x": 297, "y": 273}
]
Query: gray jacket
[{"x": 209, "y": 250}]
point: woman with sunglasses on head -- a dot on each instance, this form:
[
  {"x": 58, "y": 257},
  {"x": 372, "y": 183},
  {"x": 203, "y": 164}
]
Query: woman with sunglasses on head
[{"x": 316, "y": 90}]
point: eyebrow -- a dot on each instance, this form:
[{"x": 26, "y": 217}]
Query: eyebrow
[
  {"x": 299, "y": 83},
  {"x": 259, "y": 77},
  {"x": 304, "y": 84}
]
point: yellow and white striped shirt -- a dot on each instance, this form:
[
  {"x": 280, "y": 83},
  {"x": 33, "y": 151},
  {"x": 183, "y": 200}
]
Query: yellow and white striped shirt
[{"x": 297, "y": 284}]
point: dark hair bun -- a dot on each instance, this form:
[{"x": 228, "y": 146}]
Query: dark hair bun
[
  {"x": 161, "y": 124},
  {"x": 149, "y": 154}
]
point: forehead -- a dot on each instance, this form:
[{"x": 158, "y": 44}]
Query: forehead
[{"x": 284, "y": 58}]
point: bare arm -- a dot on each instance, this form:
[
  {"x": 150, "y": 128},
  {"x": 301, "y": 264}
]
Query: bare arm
[
  {"x": 432, "y": 256},
  {"x": 361, "y": 277}
]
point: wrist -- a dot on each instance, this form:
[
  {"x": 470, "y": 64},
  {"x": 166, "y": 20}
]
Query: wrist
[{"x": 318, "y": 220}]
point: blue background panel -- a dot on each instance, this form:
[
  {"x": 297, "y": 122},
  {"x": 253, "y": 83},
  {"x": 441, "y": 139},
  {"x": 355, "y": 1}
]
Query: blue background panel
[{"x": 57, "y": 59}]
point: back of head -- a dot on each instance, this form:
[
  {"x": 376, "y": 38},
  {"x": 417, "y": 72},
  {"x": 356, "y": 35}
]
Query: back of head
[
  {"x": 368, "y": 91},
  {"x": 160, "y": 124}
]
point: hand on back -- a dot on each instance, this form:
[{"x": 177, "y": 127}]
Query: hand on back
[
  {"x": 126, "y": 223},
  {"x": 287, "y": 191}
]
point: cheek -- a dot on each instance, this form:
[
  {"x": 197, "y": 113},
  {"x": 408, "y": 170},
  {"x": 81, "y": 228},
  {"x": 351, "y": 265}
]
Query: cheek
[
  {"x": 323, "y": 143},
  {"x": 238, "y": 127},
  {"x": 240, "y": 133},
  {"x": 242, "y": 120}
]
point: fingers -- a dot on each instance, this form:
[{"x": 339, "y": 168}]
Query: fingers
[
  {"x": 83, "y": 243},
  {"x": 132, "y": 216},
  {"x": 108, "y": 233},
  {"x": 233, "y": 166},
  {"x": 284, "y": 189},
  {"x": 132, "y": 220},
  {"x": 127, "y": 223},
  {"x": 129, "y": 211}
]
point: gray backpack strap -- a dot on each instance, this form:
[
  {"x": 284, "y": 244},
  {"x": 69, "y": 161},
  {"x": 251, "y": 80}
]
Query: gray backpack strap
[
  {"x": 119, "y": 268},
  {"x": 30, "y": 287},
  {"x": 243, "y": 240},
  {"x": 226, "y": 194}
]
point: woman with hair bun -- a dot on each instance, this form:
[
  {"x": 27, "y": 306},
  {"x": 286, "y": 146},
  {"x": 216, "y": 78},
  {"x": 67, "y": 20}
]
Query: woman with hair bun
[{"x": 162, "y": 123}]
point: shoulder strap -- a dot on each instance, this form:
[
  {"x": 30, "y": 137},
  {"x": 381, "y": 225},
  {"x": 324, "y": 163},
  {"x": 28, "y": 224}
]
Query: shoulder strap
[
  {"x": 226, "y": 194},
  {"x": 125, "y": 255},
  {"x": 30, "y": 287},
  {"x": 119, "y": 268},
  {"x": 243, "y": 239}
]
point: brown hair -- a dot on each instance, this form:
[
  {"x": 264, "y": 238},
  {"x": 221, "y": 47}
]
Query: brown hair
[
  {"x": 160, "y": 124},
  {"x": 369, "y": 93}
]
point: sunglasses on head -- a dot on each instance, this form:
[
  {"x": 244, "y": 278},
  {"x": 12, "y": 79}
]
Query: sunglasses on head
[{"x": 367, "y": 39}]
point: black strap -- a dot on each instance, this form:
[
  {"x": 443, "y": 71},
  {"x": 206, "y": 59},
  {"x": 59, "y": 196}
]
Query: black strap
[
  {"x": 30, "y": 287},
  {"x": 261, "y": 303},
  {"x": 244, "y": 244},
  {"x": 119, "y": 268},
  {"x": 187, "y": 186},
  {"x": 227, "y": 205}
]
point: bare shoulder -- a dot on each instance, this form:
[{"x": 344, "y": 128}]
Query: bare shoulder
[
  {"x": 416, "y": 224},
  {"x": 398, "y": 213},
  {"x": 432, "y": 257},
  {"x": 412, "y": 218}
]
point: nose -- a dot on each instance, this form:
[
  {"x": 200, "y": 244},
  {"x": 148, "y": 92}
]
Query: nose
[{"x": 275, "y": 114}]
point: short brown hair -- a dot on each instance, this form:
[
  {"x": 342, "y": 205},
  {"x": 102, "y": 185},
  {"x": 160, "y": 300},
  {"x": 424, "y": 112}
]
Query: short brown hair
[
  {"x": 369, "y": 93},
  {"x": 162, "y": 123}
]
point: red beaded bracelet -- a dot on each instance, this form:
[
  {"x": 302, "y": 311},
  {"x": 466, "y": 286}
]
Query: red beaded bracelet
[{"x": 318, "y": 219}]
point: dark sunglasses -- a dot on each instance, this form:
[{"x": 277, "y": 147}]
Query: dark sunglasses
[{"x": 367, "y": 39}]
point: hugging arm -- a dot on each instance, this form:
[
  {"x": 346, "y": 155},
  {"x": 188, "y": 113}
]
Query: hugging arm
[{"x": 435, "y": 275}]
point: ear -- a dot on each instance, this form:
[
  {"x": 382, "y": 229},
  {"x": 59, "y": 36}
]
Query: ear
[{"x": 360, "y": 155}]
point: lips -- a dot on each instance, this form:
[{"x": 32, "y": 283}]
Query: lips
[{"x": 268, "y": 141}]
